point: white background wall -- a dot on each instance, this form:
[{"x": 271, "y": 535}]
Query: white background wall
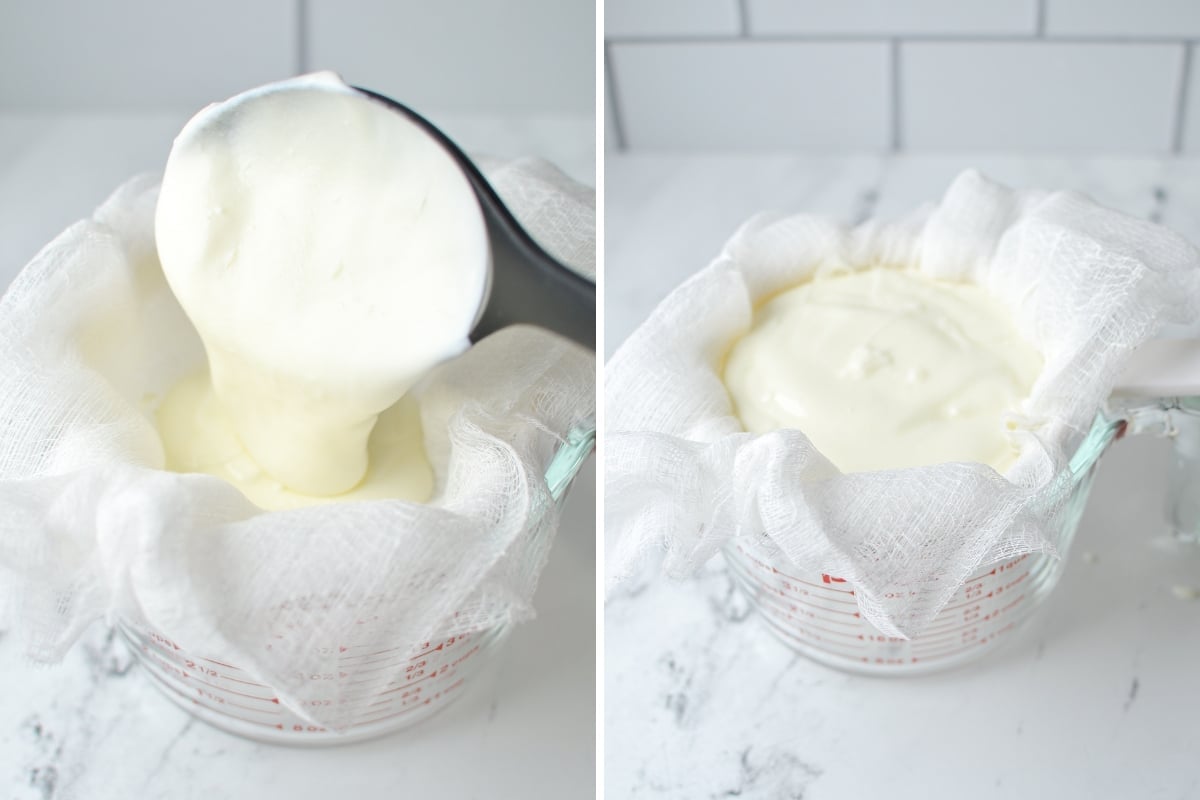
[
  {"x": 93, "y": 91},
  {"x": 1094, "y": 76},
  {"x": 509, "y": 57}
]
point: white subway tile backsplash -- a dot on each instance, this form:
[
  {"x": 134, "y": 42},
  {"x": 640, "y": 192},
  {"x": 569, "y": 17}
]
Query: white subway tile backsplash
[
  {"x": 1123, "y": 18},
  {"x": 889, "y": 17},
  {"x": 671, "y": 18},
  {"x": 139, "y": 54},
  {"x": 513, "y": 57},
  {"x": 753, "y": 95},
  {"x": 1039, "y": 96}
]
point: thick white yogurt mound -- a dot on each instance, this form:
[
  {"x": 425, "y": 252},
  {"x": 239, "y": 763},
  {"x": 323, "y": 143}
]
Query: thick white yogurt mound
[
  {"x": 329, "y": 252},
  {"x": 885, "y": 369}
]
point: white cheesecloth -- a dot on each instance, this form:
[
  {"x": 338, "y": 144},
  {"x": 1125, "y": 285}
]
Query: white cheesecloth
[
  {"x": 1085, "y": 285},
  {"x": 91, "y": 525}
]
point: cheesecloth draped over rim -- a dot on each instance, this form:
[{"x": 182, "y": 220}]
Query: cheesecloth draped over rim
[
  {"x": 92, "y": 525},
  {"x": 1084, "y": 284}
]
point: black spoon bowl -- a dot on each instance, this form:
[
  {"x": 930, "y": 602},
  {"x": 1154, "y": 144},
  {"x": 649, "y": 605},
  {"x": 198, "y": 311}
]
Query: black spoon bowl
[{"x": 528, "y": 285}]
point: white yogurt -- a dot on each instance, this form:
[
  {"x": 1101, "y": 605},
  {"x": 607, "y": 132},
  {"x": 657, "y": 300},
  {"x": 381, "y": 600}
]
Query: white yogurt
[
  {"x": 885, "y": 369},
  {"x": 198, "y": 436},
  {"x": 329, "y": 252}
]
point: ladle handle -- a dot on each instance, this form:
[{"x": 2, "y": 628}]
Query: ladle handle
[{"x": 529, "y": 286}]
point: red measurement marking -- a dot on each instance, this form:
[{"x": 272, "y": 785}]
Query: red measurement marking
[
  {"x": 788, "y": 587},
  {"x": 832, "y": 611},
  {"x": 464, "y": 656},
  {"x": 401, "y": 712},
  {"x": 1007, "y": 565},
  {"x": 219, "y": 663},
  {"x": 880, "y": 638},
  {"x": 967, "y": 646},
  {"x": 171, "y": 687},
  {"x": 971, "y": 629},
  {"x": 392, "y": 700},
  {"x": 975, "y": 601},
  {"x": 427, "y": 652},
  {"x": 806, "y": 638},
  {"x": 370, "y": 655},
  {"x": 196, "y": 679},
  {"x": 803, "y": 629},
  {"x": 164, "y": 664},
  {"x": 345, "y": 661},
  {"x": 852, "y": 653},
  {"x": 268, "y": 711},
  {"x": 804, "y": 619},
  {"x": 924, "y": 641},
  {"x": 407, "y": 685},
  {"x": 393, "y": 667},
  {"x": 969, "y": 616},
  {"x": 181, "y": 662},
  {"x": 220, "y": 707},
  {"x": 847, "y": 634},
  {"x": 791, "y": 598},
  {"x": 776, "y": 571},
  {"x": 368, "y": 680},
  {"x": 246, "y": 683},
  {"x": 406, "y": 710},
  {"x": 1011, "y": 604},
  {"x": 162, "y": 640},
  {"x": 1008, "y": 586},
  {"x": 794, "y": 606}
]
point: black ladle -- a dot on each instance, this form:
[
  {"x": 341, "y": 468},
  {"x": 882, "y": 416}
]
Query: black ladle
[{"x": 529, "y": 286}]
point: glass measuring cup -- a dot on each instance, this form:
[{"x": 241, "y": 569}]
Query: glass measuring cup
[
  {"x": 429, "y": 675},
  {"x": 817, "y": 614}
]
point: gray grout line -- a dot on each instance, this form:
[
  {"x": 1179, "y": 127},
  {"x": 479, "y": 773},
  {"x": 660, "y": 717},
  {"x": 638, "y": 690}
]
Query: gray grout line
[
  {"x": 895, "y": 44},
  {"x": 301, "y": 37},
  {"x": 1181, "y": 102},
  {"x": 610, "y": 85},
  {"x": 897, "y": 137},
  {"x": 918, "y": 38}
]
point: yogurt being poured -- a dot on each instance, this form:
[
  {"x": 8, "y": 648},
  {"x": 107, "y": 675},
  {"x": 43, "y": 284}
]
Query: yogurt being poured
[
  {"x": 329, "y": 253},
  {"x": 885, "y": 369}
]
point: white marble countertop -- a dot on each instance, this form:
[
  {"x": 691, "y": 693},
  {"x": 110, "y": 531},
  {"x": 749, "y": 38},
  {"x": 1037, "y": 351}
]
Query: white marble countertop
[
  {"x": 1097, "y": 697},
  {"x": 93, "y": 727}
]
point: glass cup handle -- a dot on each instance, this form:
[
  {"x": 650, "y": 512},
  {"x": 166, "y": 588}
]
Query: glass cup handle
[
  {"x": 1183, "y": 475},
  {"x": 1176, "y": 418}
]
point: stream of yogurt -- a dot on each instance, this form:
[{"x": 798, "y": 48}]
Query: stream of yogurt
[
  {"x": 329, "y": 253},
  {"x": 884, "y": 369},
  {"x": 198, "y": 436}
]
